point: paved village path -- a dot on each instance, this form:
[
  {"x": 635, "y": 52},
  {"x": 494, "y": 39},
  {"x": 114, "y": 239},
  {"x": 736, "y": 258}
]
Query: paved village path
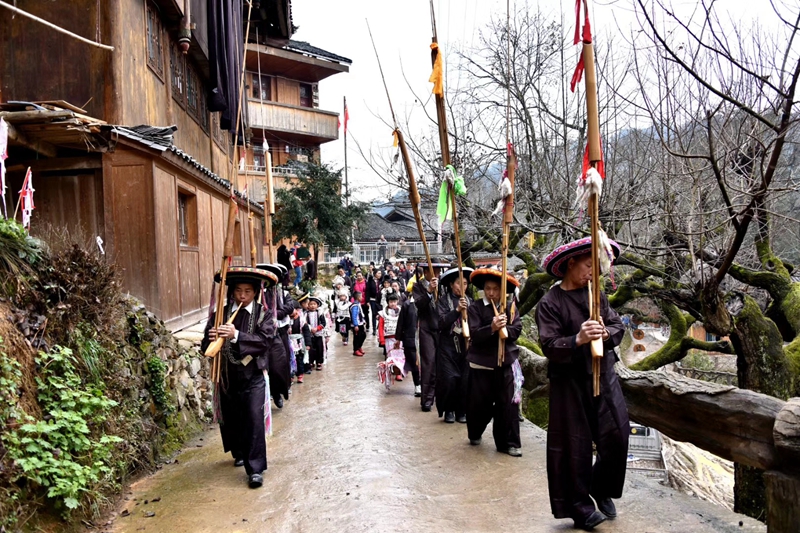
[{"x": 346, "y": 456}]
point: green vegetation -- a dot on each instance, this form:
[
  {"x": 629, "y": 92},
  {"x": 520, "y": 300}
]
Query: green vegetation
[
  {"x": 90, "y": 405},
  {"x": 67, "y": 450}
]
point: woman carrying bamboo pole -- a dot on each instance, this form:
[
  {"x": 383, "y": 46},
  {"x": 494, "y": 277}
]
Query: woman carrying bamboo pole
[
  {"x": 494, "y": 392},
  {"x": 578, "y": 417}
]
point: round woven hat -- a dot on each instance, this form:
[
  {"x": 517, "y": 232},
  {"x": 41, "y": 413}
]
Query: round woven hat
[
  {"x": 315, "y": 299},
  {"x": 481, "y": 275},
  {"x": 276, "y": 268},
  {"x": 242, "y": 274},
  {"x": 449, "y": 276},
  {"x": 556, "y": 262}
]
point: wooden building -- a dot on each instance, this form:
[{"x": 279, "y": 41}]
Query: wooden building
[
  {"x": 282, "y": 95},
  {"x": 157, "y": 197}
]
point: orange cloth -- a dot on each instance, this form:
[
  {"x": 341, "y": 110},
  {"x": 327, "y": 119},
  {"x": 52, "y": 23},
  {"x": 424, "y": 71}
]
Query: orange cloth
[{"x": 437, "y": 76}]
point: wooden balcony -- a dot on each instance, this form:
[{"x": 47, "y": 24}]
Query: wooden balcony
[{"x": 307, "y": 124}]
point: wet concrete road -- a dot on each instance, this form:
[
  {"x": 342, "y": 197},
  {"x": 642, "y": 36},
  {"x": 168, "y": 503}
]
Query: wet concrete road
[{"x": 347, "y": 456}]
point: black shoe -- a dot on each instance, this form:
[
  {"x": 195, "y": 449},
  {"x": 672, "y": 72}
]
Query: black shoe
[
  {"x": 590, "y": 522},
  {"x": 514, "y": 452},
  {"x": 474, "y": 442},
  {"x": 278, "y": 401},
  {"x": 426, "y": 408},
  {"x": 450, "y": 417},
  {"x": 461, "y": 419},
  {"x": 607, "y": 507},
  {"x": 255, "y": 481},
  {"x": 238, "y": 462}
]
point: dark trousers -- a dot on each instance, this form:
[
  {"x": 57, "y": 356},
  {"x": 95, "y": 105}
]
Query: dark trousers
[
  {"x": 242, "y": 424},
  {"x": 376, "y": 308},
  {"x": 427, "y": 365},
  {"x": 359, "y": 337},
  {"x": 316, "y": 355},
  {"x": 489, "y": 395},
  {"x": 411, "y": 364},
  {"x": 577, "y": 419}
]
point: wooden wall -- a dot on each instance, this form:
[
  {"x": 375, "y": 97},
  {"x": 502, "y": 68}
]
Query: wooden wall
[
  {"x": 142, "y": 227},
  {"x": 146, "y": 98},
  {"x": 37, "y": 63},
  {"x": 130, "y": 232}
]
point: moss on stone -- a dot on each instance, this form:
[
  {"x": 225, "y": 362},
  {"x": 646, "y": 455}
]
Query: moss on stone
[
  {"x": 529, "y": 344},
  {"x": 537, "y": 410}
]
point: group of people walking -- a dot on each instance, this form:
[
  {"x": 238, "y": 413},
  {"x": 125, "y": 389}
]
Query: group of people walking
[{"x": 419, "y": 318}]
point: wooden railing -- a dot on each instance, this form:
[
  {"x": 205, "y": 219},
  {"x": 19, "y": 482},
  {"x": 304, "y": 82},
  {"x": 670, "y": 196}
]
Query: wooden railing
[
  {"x": 293, "y": 119},
  {"x": 739, "y": 425}
]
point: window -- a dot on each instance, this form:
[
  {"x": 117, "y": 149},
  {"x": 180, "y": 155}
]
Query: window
[
  {"x": 177, "y": 74},
  {"x": 306, "y": 95},
  {"x": 710, "y": 337},
  {"x": 191, "y": 92},
  {"x": 220, "y": 135},
  {"x": 259, "y": 157},
  {"x": 155, "y": 41},
  {"x": 187, "y": 218},
  {"x": 262, "y": 89}
]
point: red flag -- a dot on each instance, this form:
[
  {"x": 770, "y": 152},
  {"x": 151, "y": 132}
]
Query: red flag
[
  {"x": 346, "y": 118},
  {"x": 26, "y": 199}
]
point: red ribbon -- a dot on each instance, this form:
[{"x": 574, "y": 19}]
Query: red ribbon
[
  {"x": 599, "y": 166},
  {"x": 587, "y": 39}
]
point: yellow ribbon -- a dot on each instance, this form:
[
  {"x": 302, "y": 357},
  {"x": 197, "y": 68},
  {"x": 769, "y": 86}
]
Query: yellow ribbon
[
  {"x": 437, "y": 76},
  {"x": 394, "y": 142}
]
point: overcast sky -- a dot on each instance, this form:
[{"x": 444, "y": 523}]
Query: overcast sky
[{"x": 402, "y": 33}]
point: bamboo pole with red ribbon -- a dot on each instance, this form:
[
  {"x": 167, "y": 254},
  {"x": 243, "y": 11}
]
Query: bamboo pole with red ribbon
[
  {"x": 437, "y": 77},
  {"x": 413, "y": 191},
  {"x": 593, "y": 172}
]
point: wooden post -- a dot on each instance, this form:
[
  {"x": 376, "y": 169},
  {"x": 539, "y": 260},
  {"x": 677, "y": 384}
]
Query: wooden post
[{"x": 413, "y": 196}]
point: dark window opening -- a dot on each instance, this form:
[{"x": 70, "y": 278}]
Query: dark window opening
[
  {"x": 177, "y": 67},
  {"x": 262, "y": 88},
  {"x": 187, "y": 219},
  {"x": 155, "y": 41},
  {"x": 306, "y": 95}
]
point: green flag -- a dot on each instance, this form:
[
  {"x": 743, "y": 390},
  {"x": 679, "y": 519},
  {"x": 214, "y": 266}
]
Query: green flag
[{"x": 444, "y": 207}]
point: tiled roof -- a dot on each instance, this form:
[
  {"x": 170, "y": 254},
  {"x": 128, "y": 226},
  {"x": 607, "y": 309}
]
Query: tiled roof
[{"x": 305, "y": 48}]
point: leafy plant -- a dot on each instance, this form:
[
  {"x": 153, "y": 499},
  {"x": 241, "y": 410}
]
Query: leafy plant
[
  {"x": 67, "y": 451},
  {"x": 18, "y": 253}
]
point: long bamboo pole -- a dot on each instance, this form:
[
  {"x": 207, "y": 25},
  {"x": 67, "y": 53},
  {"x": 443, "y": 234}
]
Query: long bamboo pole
[
  {"x": 508, "y": 211},
  {"x": 595, "y": 157},
  {"x": 444, "y": 143},
  {"x": 413, "y": 192},
  {"x": 228, "y": 249}
]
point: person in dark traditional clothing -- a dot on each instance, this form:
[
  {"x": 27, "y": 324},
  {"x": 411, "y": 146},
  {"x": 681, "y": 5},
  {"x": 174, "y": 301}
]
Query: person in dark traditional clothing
[
  {"x": 451, "y": 361},
  {"x": 300, "y": 336},
  {"x": 285, "y": 260},
  {"x": 280, "y": 376},
  {"x": 246, "y": 358},
  {"x": 407, "y": 332},
  {"x": 373, "y": 291},
  {"x": 311, "y": 269},
  {"x": 316, "y": 324},
  {"x": 577, "y": 418},
  {"x": 492, "y": 389},
  {"x": 423, "y": 293}
]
